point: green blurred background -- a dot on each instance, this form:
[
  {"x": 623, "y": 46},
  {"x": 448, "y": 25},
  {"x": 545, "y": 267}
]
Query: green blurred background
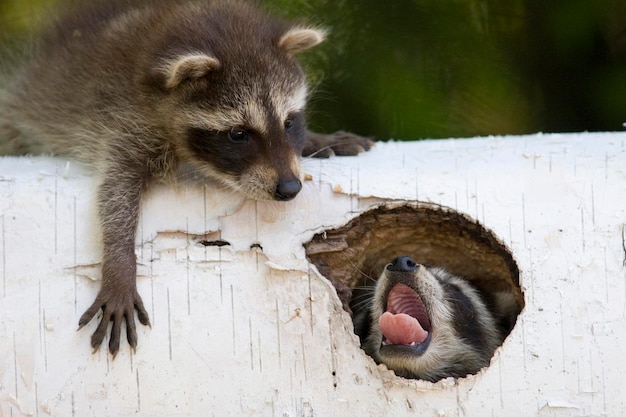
[{"x": 409, "y": 69}]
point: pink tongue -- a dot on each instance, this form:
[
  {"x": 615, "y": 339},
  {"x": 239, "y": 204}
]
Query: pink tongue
[{"x": 401, "y": 329}]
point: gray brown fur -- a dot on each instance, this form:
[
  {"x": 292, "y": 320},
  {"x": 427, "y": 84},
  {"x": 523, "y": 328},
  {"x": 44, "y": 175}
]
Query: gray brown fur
[
  {"x": 150, "y": 90},
  {"x": 464, "y": 332}
]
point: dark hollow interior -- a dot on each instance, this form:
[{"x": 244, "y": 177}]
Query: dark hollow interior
[{"x": 354, "y": 255}]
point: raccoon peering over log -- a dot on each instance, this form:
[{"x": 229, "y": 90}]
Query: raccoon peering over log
[{"x": 146, "y": 90}]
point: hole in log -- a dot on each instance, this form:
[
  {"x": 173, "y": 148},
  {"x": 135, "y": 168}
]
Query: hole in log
[{"x": 354, "y": 256}]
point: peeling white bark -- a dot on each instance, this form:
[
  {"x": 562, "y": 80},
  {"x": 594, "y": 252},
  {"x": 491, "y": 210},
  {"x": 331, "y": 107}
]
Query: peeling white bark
[{"x": 242, "y": 330}]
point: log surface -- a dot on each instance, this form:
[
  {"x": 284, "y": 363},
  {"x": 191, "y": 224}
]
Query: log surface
[{"x": 242, "y": 324}]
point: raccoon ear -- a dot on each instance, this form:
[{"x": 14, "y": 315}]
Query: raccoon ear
[
  {"x": 300, "y": 39},
  {"x": 188, "y": 67}
]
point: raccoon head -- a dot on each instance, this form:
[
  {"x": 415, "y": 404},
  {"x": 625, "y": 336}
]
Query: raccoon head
[
  {"x": 235, "y": 97},
  {"x": 425, "y": 323}
]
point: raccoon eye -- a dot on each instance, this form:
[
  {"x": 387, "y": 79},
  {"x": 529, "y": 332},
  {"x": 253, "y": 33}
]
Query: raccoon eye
[
  {"x": 238, "y": 135},
  {"x": 289, "y": 122}
]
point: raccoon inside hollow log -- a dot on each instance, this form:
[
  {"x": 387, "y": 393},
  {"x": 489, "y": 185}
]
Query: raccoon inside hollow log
[
  {"x": 146, "y": 91},
  {"x": 425, "y": 323}
]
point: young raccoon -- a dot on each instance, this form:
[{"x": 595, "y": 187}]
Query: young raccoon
[
  {"x": 427, "y": 324},
  {"x": 147, "y": 90}
]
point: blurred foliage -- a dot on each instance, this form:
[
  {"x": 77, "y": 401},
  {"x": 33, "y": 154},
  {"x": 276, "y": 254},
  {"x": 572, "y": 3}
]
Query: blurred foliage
[
  {"x": 430, "y": 68},
  {"x": 17, "y": 17}
]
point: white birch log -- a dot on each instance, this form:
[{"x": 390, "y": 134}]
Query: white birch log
[{"x": 251, "y": 328}]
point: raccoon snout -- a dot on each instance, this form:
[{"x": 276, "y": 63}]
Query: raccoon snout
[
  {"x": 287, "y": 190},
  {"x": 403, "y": 264}
]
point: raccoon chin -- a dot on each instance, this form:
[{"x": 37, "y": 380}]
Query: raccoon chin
[{"x": 415, "y": 349}]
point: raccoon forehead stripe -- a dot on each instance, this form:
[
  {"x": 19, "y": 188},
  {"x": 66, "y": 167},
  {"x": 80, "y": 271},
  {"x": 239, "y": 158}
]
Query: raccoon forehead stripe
[
  {"x": 253, "y": 114},
  {"x": 248, "y": 116},
  {"x": 292, "y": 103},
  {"x": 256, "y": 116},
  {"x": 220, "y": 120}
]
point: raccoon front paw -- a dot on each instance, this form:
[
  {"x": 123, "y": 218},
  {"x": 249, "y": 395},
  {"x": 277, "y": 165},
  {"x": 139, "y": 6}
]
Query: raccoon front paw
[
  {"x": 115, "y": 307},
  {"x": 339, "y": 143}
]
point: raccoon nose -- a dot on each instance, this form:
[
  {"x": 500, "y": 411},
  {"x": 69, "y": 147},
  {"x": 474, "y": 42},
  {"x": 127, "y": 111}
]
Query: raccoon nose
[
  {"x": 403, "y": 264},
  {"x": 287, "y": 190}
]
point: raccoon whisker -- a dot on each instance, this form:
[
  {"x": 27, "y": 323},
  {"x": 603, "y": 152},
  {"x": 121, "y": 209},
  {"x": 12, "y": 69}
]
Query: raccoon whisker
[
  {"x": 319, "y": 151},
  {"x": 363, "y": 274},
  {"x": 362, "y": 296},
  {"x": 362, "y": 304},
  {"x": 367, "y": 288}
]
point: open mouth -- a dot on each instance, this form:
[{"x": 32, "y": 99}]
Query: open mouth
[{"x": 405, "y": 321}]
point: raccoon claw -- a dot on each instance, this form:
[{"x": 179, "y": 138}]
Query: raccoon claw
[
  {"x": 349, "y": 144},
  {"x": 115, "y": 309},
  {"x": 339, "y": 143}
]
